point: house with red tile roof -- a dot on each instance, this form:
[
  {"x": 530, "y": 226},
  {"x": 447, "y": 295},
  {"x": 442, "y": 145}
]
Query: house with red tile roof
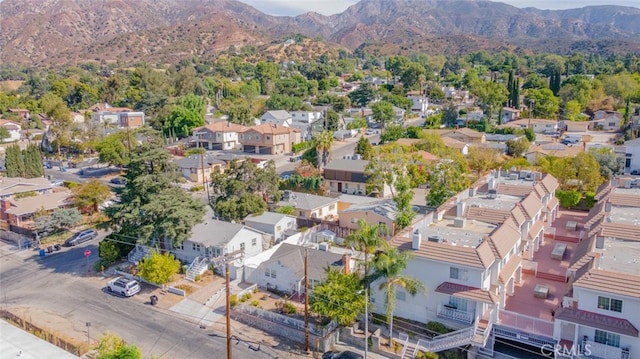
[
  {"x": 269, "y": 139},
  {"x": 218, "y": 136}
]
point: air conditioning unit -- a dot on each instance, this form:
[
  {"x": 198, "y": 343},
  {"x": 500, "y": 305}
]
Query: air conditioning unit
[
  {"x": 492, "y": 194},
  {"x": 435, "y": 238},
  {"x": 324, "y": 246},
  {"x": 513, "y": 176},
  {"x": 459, "y": 222}
]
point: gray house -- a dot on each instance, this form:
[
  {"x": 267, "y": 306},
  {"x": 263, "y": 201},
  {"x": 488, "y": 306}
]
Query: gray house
[{"x": 276, "y": 224}]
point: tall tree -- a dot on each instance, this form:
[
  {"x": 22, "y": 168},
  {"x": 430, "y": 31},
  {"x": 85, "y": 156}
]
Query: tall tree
[
  {"x": 389, "y": 266},
  {"x": 152, "y": 207},
  {"x": 364, "y": 148},
  {"x": 114, "y": 148},
  {"x": 323, "y": 143},
  {"x": 368, "y": 239},
  {"x": 362, "y": 95},
  {"x": 32, "y": 161},
  {"x": 14, "y": 163},
  {"x": 59, "y": 114}
]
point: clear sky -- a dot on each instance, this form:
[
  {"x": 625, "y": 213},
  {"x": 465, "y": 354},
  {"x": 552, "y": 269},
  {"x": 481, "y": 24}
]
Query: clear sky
[{"x": 329, "y": 7}]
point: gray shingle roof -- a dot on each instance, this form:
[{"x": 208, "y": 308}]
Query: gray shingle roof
[
  {"x": 194, "y": 161},
  {"x": 277, "y": 114},
  {"x": 306, "y": 201},
  {"x": 212, "y": 232},
  {"x": 292, "y": 257},
  {"x": 342, "y": 164}
]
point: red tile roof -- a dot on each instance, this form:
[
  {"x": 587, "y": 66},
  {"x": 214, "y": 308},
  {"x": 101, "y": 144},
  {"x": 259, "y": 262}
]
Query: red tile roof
[
  {"x": 466, "y": 292},
  {"x": 610, "y": 282},
  {"x": 595, "y": 320}
]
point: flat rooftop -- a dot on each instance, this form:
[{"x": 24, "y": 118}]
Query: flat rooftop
[
  {"x": 471, "y": 235},
  {"x": 631, "y": 191},
  {"x": 502, "y": 201},
  {"x": 620, "y": 256},
  {"x": 628, "y": 215},
  {"x": 16, "y": 343}
]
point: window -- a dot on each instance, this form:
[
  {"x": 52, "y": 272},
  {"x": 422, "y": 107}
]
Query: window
[
  {"x": 301, "y": 213},
  {"x": 332, "y": 207},
  {"x": 354, "y": 220},
  {"x": 268, "y": 137},
  {"x": 457, "y": 273},
  {"x": 254, "y": 242},
  {"x": 607, "y": 338},
  {"x": 401, "y": 295},
  {"x": 614, "y": 305},
  {"x": 457, "y": 303},
  {"x": 278, "y": 228},
  {"x": 242, "y": 246},
  {"x": 195, "y": 246},
  {"x": 612, "y": 124},
  {"x": 181, "y": 246},
  {"x": 273, "y": 273}
]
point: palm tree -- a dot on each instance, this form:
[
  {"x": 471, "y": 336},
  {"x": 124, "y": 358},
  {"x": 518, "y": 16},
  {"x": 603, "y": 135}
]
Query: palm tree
[
  {"x": 389, "y": 265},
  {"x": 368, "y": 239},
  {"x": 323, "y": 147}
]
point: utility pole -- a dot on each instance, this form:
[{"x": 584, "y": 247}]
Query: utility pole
[
  {"x": 306, "y": 300},
  {"x": 227, "y": 308},
  {"x": 226, "y": 259}
]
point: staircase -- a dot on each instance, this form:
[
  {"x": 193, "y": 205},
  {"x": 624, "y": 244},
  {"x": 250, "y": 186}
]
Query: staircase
[
  {"x": 446, "y": 341},
  {"x": 137, "y": 254},
  {"x": 196, "y": 268}
]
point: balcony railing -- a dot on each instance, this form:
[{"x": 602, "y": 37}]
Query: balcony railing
[
  {"x": 526, "y": 323},
  {"x": 599, "y": 350},
  {"x": 461, "y": 316}
]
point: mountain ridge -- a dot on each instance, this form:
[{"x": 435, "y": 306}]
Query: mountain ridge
[{"x": 50, "y": 32}]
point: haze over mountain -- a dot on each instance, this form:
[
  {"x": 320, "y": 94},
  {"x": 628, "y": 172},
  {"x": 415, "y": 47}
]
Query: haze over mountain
[{"x": 46, "y": 32}]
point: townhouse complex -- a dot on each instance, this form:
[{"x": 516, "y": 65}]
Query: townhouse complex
[{"x": 504, "y": 266}]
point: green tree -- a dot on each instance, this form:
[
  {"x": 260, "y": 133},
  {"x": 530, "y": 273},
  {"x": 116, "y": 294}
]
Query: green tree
[
  {"x": 240, "y": 114},
  {"x": 113, "y": 347},
  {"x": 399, "y": 101},
  {"x": 109, "y": 250},
  {"x": 159, "y": 267},
  {"x": 332, "y": 121},
  {"x": 65, "y": 218},
  {"x": 364, "y": 148},
  {"x": 323, "y": 143},
  {"x": 362, "y": 95},
  {"x": 288, "y": 210},
  {"x": 91, "y": 194},
  {"x": 450, "y": 115},
  {"x": 113, "y": 149},
  {"x": 151, "y": 207},
  {"x": 482, "y": 159},
  {"x": 55, "y": 108},
  {"x": 490, "y": 95},
  {"x": 182, "y": 120},
  {"x": 4, "y": 134},
  {"x": 194, "y": 103},
  {"x": 284, "y": 102},
  {"x": 446, "y": 178},
  {"x": 357, "y": 122},
  {"x": 545, "y": 104},
  {"x": 14, "y": 163},
  {"x": 534, "y": 81},
  {"x": 610, "y": 163},
  {"x": 392, "y": 133},
  {"x": 266, "y": 74},
  {"x": 517, "y": 147},
  {"x": 389, "y": 267},
  {"x": 383, "y": 113},
  {"x": 572, "y": 110},
  {"x": 338, "y": 297}
]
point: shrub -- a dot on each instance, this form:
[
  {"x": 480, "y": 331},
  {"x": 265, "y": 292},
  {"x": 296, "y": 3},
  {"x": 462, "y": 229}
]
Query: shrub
[
  {"x": 255, "y": 303},
  {"x": 198, "y": 277},
  {"x": 233, "y": 300},
  {"x": 438, "y": 327},
  {"x": 197, "y": 188},
  {"x": 288, "y": 308},
  {"x": 256, "y": 290},
  {"x": 568, "y": 199},
  {"x": 100, "y": 265},
  {"x": 396, "y": 347}
]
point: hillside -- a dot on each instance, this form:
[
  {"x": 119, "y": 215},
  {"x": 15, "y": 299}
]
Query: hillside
[{"x": 55, "y": 32}]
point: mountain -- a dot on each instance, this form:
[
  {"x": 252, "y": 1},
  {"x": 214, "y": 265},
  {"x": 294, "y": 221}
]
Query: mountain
[{"x": 54, "y": 32}]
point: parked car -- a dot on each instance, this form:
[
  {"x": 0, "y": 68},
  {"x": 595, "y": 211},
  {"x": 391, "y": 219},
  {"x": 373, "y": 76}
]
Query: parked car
[
  {"x": 81, "y": 237},
  {"x": 123, "y": 286},
  {"x": 57, "y": 182},
  {"x": 347, "y": 354},
  {"x": 295, "y": 158},
  {"x": 118, "y": 180}
]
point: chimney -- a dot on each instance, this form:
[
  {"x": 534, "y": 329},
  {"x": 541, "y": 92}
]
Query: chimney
[
  {"x": 346, "y": 263},
  {"x": 460, "y": 209},
  {"x": 416, "y": 240},
  {"x": 492, "y": 183}
]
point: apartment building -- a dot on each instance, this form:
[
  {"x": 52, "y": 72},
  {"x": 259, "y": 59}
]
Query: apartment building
[
  {"x": 472, "y": 254},
  {"x": 599, "y": 316},
  {"x": 346, "y": 175}
]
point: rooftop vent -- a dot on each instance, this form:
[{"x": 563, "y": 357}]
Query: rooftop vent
[
  {"x": 459, "y": 222},
  {"x": 513, "y": 176},
  {"x": 492, "y": 194},
  {"x": 435, "y": 238}
]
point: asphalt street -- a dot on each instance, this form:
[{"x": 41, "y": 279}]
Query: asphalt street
[{"x": 60, "y": 283}]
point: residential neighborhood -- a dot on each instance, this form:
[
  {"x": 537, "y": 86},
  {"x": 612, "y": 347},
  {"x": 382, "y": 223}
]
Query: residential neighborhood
[{"x": 274, "y": 201}]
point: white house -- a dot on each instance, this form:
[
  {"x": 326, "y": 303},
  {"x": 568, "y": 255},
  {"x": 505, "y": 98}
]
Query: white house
[
  {"x": 277, "y": 117},
  {"x": 632, "y": 156},
  {"x": 420, "y": 104},
  {"x": 606, "y": 120},
  {"x": 306, "y": 117},
  {"x": 284, "y": 270},
  {"x": 310, "y": 206},
  {"x": 537, "y": 124},
  {"x": 14, "y": 129},
  {"x": 600, "y": 315},
  {"x": 213, "y": 238},
  {"x": 470, "y": 255},
  {"x": 509, "y": 114},
  {"x": 275, "y": 224}
]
